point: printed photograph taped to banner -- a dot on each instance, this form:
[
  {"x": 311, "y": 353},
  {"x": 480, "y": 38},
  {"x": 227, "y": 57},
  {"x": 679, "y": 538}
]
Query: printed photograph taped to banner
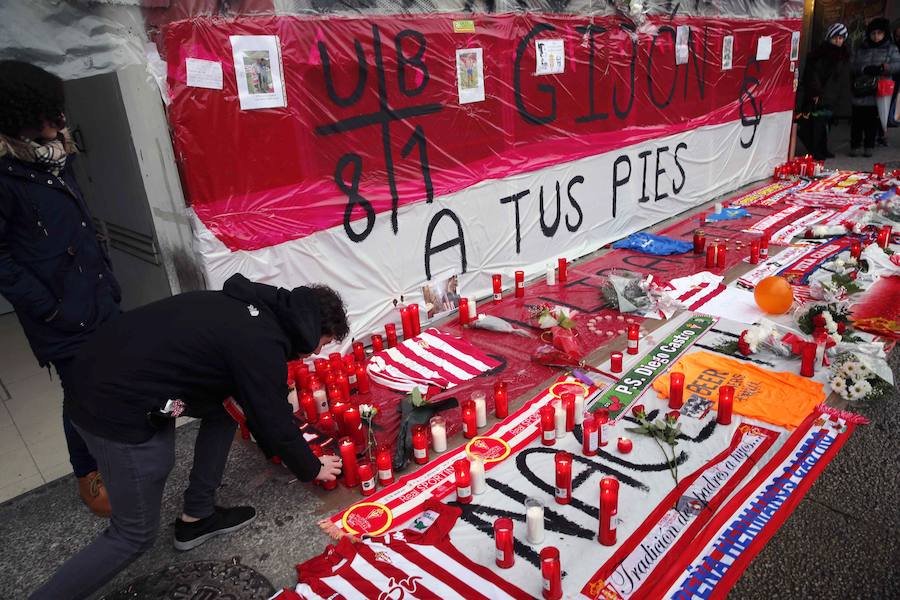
[
  {"x": 645, "y": 486},
  {"x": 435, "y": 480},
  {"x": 743, "y": 526},
  {"x": 669, "y": 530}
]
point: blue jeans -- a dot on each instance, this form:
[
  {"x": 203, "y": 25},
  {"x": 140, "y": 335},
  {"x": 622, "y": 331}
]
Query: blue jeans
[
  {"x": 79, "y": 455},
  {"x": 135, "y": 476}
]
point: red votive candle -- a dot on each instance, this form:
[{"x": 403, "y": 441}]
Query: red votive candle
[
  {"x": 563, "y": 462},
  {"x": 463, "y": 311},
  {"x": 568, "y": 402},
  {"x": 563, "y": 266},
  {"x": 362, "y": 379},
  {"x": 589, "y": 436},
  {"x": 625, "y": 445},
  {"x": 551, "y": 573},
  {"x": 855, "y": 248},
  {"x": 415, "y": 318},
  {"x": 601, "y": 417},
  {"x": 726, "y": 401},
  {"x": 420, "y": 444},
  {"x": 808, "y": 359},
  {"x": 390, "y": 332},
  {"x": 884, "y": 236},
  {"x": 676, "y": 390},
  {"x": 344, "y": 385},
  {"x": 615, "y": 362},
  {"x": 608, "y": 508},
  {"x": 326, "y": 423},
  {"x": 385, "y": 465},
  {"x": 764, "y": 247},
  {"x": 469, "y": 419},
  {"x": 699, "y": 242},
  {"x": 520, "y": 284},
  {"x": 308, "y": 405},
  {"x": 711, "y": 257},
  {"x": 503, "y": 540},
  {"x": 548, "y": 425},
  {"x": 348, "y": 458},
  {"x": 634, "y": 331},
  {"x": 878, "y": 170},
  {"x": 335, "y": 361},
  {"x": 377, "y": 343},
  {"x": 359, "y": 352},
  {"x": 301, "y": 376},
  {"x": 754, "y": 252},
  {"x": 720, "y": 256},
  {"x": 501, "y": 400},
  {"x": 406, "y": 322},
  {"x": 353, "y": 425},
  {"x": 367, "y": 479},
  {"x": 321, "y": 366},
  {"x": 498, "y": 288},
  {"x": 337, "y": 410},
  {"x": 463, "y": 480}
]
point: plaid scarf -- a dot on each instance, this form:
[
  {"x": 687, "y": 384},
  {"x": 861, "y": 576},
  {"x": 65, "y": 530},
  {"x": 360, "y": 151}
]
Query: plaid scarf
[{"x": 50, "y": 156}]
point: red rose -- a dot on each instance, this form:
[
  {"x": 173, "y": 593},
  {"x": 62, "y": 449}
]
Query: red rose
[
  {"x": 672, "y": 416},
  {"x": 841, "y": 327},
  {"x": 743, "y": 346},
  {"x": 639, "y": 412},
  {"x": 819, "y": 320}
]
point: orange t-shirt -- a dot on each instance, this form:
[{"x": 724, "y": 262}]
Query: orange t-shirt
[{"x": 774, "y": 397}]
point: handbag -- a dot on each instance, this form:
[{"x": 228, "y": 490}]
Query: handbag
[{"x": 865, "y": 85}]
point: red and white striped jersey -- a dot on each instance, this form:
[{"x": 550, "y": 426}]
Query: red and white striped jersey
[
  {"x": 432, "y": 358},
  {"x": 418, "y": 562}
]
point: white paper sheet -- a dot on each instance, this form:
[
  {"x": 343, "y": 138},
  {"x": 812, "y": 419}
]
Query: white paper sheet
[
  {"x": 258, "y": 71},
  {"x": 550, "y": 58},
  {"x": 735, "y": 304},
  {"x": 764, "y": 47},
  {"x": 470, "y": 75},
  {"x": 204, "y": 73}
]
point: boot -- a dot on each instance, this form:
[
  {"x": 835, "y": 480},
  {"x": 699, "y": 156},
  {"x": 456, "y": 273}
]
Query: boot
[{"x": 93, "y": 494}]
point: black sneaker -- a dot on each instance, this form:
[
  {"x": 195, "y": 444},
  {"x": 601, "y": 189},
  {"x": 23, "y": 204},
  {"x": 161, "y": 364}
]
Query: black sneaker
[{"x": 224, "y": 520}]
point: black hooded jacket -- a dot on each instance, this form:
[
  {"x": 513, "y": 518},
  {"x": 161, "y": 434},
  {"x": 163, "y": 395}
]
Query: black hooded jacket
[{"x": 201, "y": 348}]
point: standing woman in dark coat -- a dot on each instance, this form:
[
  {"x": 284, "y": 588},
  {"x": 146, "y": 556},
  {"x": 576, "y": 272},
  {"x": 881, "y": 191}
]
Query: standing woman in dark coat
[
  {"x": 53, "y": 269},
  {"x": 878, "y": 57},
  {"x": 825, "y": 77}
]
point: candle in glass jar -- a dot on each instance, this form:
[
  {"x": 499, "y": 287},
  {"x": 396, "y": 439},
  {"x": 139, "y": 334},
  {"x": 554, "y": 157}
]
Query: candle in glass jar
[
  {"x": 473, "y": 308},
  {"x": 377, "y": 343},
  {"x": 551, "y": 574},
  {"x": 406, "y": 322},
  {"x": 480, "y": 408},
  {"x": 615, "y": 362},
  {"x": 568, "y": 402},
  {"x": 463, "y": 481},
  {"x": 362, "y": 379},
  {"x": 563, "y": 265},
  {"x": 366, "y": 479},
  {"x": 534, "y": 520},
  {"x": 353, "y": 425},
  {"x": 711, "y": 256},
  {"x": 385, "y": 465},
  {"x": 503, "y": 541},
  {"x": 415, "y": 318},
  {"x": 470, "y": 419},
  {"x": 501, "y": 400},
  {"x": 497, "y": 281},
  {"x": 348, "y": 462},
  {"x": 390, "y": 332},
  {"x": 359, "y": 352},
  {"x": 520, "y": 284},
  {"x": 420, "y": 444},
  {"x": 634, "y": 331},
  {"x": 319, "y": 394},
  {"x": 601, "y": 416},
  {"x": 607, "y": 521},
  {"x": 548, "y": 425},
  {"x": 721, "y": 250},
  {"x": 726, "y": 402},
  {"x": 754, "y": 252},
  {"x": 579, "y": 408},
  {"x": 808, "y": 359},
  {"x": 559, "y": 418},
  {"x": 589, "y": 436},
  {"x": 855, "y": 248},
  {"x": 884, "y": 236},
  {"x": 463, "y": 311},
  {"x": 310, "y": 410},
  {"x": 764, "y": 247},
  {"x": 699, "y": 242},
  {"x": 479, "y": 480},
  {"x": 337, "y": 410},
  {"x": 563, "y": 464},
  {"x": 676, "y": 390},
  {"x": 326, "y": 422},
  {"x": 438, "y": 433},
  {"x": 551, "y": 275}
]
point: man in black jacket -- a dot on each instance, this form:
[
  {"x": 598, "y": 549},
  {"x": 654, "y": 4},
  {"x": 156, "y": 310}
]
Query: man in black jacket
[
  {"x": 185, "y": 355},
  {"x": 53, "y": 269}
]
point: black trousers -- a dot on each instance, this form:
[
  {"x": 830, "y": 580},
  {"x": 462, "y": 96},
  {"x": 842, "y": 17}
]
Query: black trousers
[{"x": 864, "y": 126}]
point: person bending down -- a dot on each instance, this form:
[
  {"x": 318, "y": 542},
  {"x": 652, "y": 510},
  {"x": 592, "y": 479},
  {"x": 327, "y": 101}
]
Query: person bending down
[{"x": 185, "y": 355}]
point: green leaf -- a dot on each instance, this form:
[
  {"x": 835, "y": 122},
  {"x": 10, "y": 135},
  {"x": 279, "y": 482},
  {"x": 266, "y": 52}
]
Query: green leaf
[{"x": 416, "y": 399}]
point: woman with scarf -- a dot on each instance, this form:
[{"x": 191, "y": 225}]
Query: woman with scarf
[
  {"x": 53, "y": 268},
  {"x": 827, "y": 72},
  {"x": 878, "y": 57}
]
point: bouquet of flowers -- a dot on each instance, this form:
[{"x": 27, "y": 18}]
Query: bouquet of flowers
[
  {"x": 559, "y": 323},
  {"x": 829, "y": 323},
  {"x": 762, "y": 336},
  {"x": 662, "y": 430},
  {"x": 853, "y": 378}
]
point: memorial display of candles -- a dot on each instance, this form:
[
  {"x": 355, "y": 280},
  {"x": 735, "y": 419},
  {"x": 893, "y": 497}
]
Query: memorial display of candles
[
  {"x": 463, "y": 480},
  {"x": 534, "y": 520},
  {"x": 634, "y": 332},
  {"x": 503, "y": 541},
  {"x": 726, "y": 401},
  {"x": 676, "y": 390},
  {"x": 547, "y": 425},
  {"x": 438, "y": 433},
  {"x": 420, "y": 444},
  {"x": 477, "y": 475},
  {"x": 497, "y": 281},
  {"x": 480, "y": 408},
  {"x": 366, "y": 479},
  {"x": 385, "y": 466},
  {"x": 551, "y": 573},
  {"x": 348, "y": 459},
  {"x": 520, "y": 284},
  {"x": 563, "y": 466}
]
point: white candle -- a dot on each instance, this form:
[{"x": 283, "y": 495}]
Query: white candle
[
  {"x": 439, "y": 437},
  {"x": 718, "y": 207},
  {"x": 560, "y": 418},
  {"x": 480, "y": 409},
  {"x": 473, "y": 308},
  {"x": 551, "y": 275},
  {"x": 579, "y": 409},
  {"x": 292, "y": 399},
  {"x": 321, "y": 399},
  {"x": 534, "y": 523},
  {"x": 476, "y": 470}
]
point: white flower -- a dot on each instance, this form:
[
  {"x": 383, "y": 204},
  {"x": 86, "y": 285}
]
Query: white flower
[
  {"x": 840, "y": 263},
  {"x": 836, "y": 337},
  {"x": 849, "y": 369},
  {"x": 859, "y": 390},
  {"x": 829, "y": 320},
  {"x": 840, "y": 386},
  {"x": 367, "y": 410}
]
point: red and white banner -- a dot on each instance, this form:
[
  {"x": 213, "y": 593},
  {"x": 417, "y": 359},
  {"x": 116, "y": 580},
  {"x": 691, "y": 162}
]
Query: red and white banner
[{"x": 775, "y": 264}]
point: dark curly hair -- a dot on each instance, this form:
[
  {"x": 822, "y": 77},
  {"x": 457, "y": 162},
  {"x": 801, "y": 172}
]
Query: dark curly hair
[
  {"x": 29, "y": 96},
  {"x": 333, "y": 311}
]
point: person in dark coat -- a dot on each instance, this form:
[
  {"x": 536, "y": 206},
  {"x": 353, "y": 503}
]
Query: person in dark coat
[
  {"x": 892, "y": 121},
  {"x": 53, "y": 268},
  {"x": 877, "y": 57},
  {"x": 827, "y": 71},
  {"x": 185, "y": 355}
]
